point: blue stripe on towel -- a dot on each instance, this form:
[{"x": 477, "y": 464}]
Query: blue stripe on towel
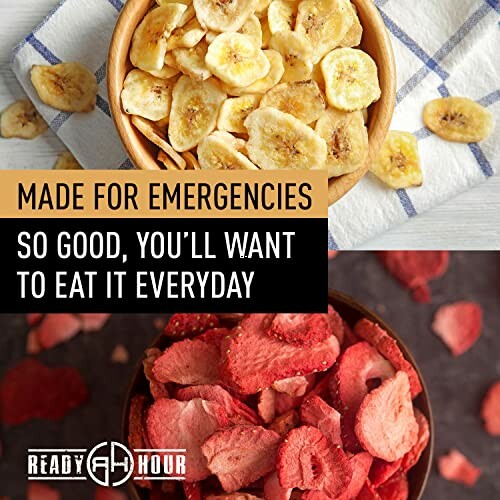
[
  {"x": 406, "y": 202},
  {"x": 47, "y": 54},
  {"x": 331, "y": 242}
]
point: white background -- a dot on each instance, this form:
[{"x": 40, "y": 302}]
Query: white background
[{"x": 466, "y": 222}]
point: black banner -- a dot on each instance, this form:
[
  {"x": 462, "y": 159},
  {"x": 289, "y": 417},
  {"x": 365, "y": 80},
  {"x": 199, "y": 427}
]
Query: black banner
[{"x": 164, "y": 265}]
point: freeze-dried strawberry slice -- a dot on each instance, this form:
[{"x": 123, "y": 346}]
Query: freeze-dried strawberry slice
[
  {"x": 192, "y": 490},
  {"x": 459, "y": 325},
  {"x": 382, "y": 471},
  {"x": 102, "y": 493},
  {"x": 456, "y": 467},
  {"x": 31, "y": 390},
  {"x": 413, "y": 456},
  {"x": 189, "y": 325},
  {"x": 253, "y": 360},
  {"x": 240, "y": 455},
  {"x": 295, "y": 386},
  {"x": 120, "y": 354},
  {"x": 385, "y": 423},
  {"x": 490, "y": 410},
  {"x": 314, "y": 411},
  {"x": 322, "y": 388},
  {"x": 285, "y": 423},
  {"x": 233, "y": 496},
  {"x": 40, "y": 491},
  {"x": 237, "y": 411},
  {"x": 266, "y": 405},
  {"x": 314, "y": 495},
  {"x": 388, "y": 347},
  {"x": 214, "y": 336},
  {"x": 350, "y": 338},
  {"x": 307, "y": 460},
  {"x": 55, "y": 329},
  {"x": 285, "y": 403},
  {"x": 360, "y": 464},
  {"x": 136, "y": 430},
  {"x": 301, "y": 329},
  {"x": 92, "y": 322},
  {"x": 368, "y": 492},
  {"x": 188, "y": 362},
  {"x": 396, "y": 488},
  {"x": 273, "y": 489},
  {"x": 185, "y": 425},
  {"x": 157, "y": 389},
  {"x": 414, "y": 269},
  {"x": 358, "y": 365}
]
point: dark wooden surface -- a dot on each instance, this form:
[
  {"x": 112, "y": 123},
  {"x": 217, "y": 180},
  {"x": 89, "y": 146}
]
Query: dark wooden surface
[{"x": 456, "y": 385}]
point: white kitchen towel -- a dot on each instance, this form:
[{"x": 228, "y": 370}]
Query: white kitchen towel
[{"x": 442, "y": 48}]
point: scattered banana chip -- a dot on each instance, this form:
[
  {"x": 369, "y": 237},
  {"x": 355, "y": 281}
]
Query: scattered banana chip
[
  {"x": 147, "y": 96},
  {"x": 346, "y": 140},
  {"x": 191, "y": 161},
  {"x": 458, "y": 119},
  {"x": 157, "y": 137},
  {"x": 278, "y": 140},
  {"x": 398, "y": 164},
  {"x": 66, "y": 161},
  {"x": 149, "y": 43},
  {"x": 192, "y": 61},
  {"x": 22, "y": 120},
  {"x": 235, "y": 111},
  {"x": 281, "y": 15},
  {"x": 224, "y": 15},
  {"x": 217, "y": 154},
  {"x": 297, "y": 55},
  {"x": 67, "y": 86},
  {"x": 187, "y": 36},
  {"x": 324, "y": 23},
  {"x": 236, "y": 60},
  {"x": 195, "y": 108},
  {"x": 351, "y": 79},
  {"x": 304, "y": 100}
]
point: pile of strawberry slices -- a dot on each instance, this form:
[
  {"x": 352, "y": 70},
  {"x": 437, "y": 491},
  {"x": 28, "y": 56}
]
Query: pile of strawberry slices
[{"x": 282, "y": 406}]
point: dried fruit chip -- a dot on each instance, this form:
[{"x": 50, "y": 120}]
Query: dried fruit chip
[
  {"x": 295, "y": 386},
  {"x": 315, "y": 412},
  {"x": 67, "y": 86},
  {"x": 296, "y": 55},
  {"x": 398, "y": 163},
  {"x": 382, "y": 471},
  {"x": 187, "y": 36},
  {"x": 189, "y": 325},
  {"x": 157, "y": 389},
  {"x": 21, "y": 120},
  {"x": 267, "y": 405},
  {"x": 192, "y": 490},
  {"x": 360, "y": 464},
  {"x": 281, "y": 15},
  {"x": 459, "y": 325},
  {"x": 217, "y": 154},
  {"x": 456, "y": 467},
  {"x": 273, "y": 489},
  {"x": 413, "y": 456},
  {"x": 285, "y": 423},
  {"x": 223, "y": 16},
  {"x": 458, "y": 119},
  {"x": 490, "y": 410},
  {"x": 397, "y": 488},
  {"x": 234, "y": 112},
  {"x": 120, "y": 354},
  {"x": 385, "y": 423},
  {"x": 66, "y": 161},
  {"x": 300, "y": 329},
  {"x": 55, "y": 329},
  {"x": 240, "y": 455},
  {"x": 192, "y": 61}
]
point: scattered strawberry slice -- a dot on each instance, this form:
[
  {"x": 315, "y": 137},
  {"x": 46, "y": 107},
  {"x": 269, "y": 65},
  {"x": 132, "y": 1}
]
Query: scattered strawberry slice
[
  {"x": 306, "y": 460},
  {"x": 238, "y": 412},
  {"x": 413, "y": 456},
  {"x": 332, "y": 254},
  {"x": 120, "y": 354},
  {"x": 385, "y": 423},
  {"x": 55, "y": 329},
  {"x": 189, "y": 325},
  {"x": 240, "y": 455},
  {"x": 40, "y": 491},
  {"x": 285, "y": 423},
  {"x": 136, "y": 431},
  {"x": 490, "y": 410},
  {"x": 295, "y": 386},
  {"x": 315, "y": 412},
  {"x": 93, "y": 322},
  {"x": 456, "y": 467},
  {"x": 301, "y": 329},
  {"x": 214, "y": 336},
  {"x": 273, "y": 489},
  {"x": 414, "y": 269},
  {"x": 253, "y": 360},
  {"x": 192, "y": 490},
  {"x": 360, "y": 464},
  {"x": 175, "y": 424},
  {"x": 459, "y": 325},
  {"x": 382, "y": 471},
  {"x": 368, "y": 492},
  {"x": 266, "y": 406},
  {"x": 388, "y": 347},
  {"x": 102, "y": 493},
  {"x": 396, "y": 488},
  {"x": 188, "y": 362},
  {"x": 31, "y": 390}
]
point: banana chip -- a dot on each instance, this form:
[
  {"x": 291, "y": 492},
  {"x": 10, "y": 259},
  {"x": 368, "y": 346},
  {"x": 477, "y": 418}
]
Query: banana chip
[
  {"x": 346, "y": 140},
  {"x": 165, "y": 73},
  {"x": 66, "y": 161},
  {"x": 266, "y": 32},
  {"x": 324, "y": 23},
  {"x": 297, "y": 54},
  {"x": 304, "y": 100},
  {"x": 235, "y": 142},
  {"x": 157, "y": 137},
  {"x": 398, "y": 164},
  {"x": 355, "y": 34},
  {"x": 192, "y": 61},
  {"x": 195, "y": 107},
  {"x": 147, "y": 96},
  {"x": 21, "y": 120},
  {"x": 235, "y": 59},
  {"x": 187, "y": 36},
  {"x": 166, "y": 161},
  {"x": 281, "y": 15},
  {"x": 261, "y": 8},
  {"x": 149, "y": 43},
  {"x": 278, "y": 140},
  {"x": 351, "y": 79},
  {"x": 458, "y": 119},
  {"x": 223, "y": 15},
  {"x": 235, "y": 111},
  {"x": 191, "y": 161},
  {"x": 67, "y": 86},
  {"x": 217, "y": 154},
  {"x": 253, "y": 30}
]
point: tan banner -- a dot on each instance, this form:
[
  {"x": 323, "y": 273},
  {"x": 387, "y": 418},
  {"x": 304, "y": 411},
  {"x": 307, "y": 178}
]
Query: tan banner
[{"x": 124, "y": 194}]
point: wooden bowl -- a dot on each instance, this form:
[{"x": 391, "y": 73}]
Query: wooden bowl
[
  {"x": 351, "y": 311},
  {"x": 375, "y": 42}
]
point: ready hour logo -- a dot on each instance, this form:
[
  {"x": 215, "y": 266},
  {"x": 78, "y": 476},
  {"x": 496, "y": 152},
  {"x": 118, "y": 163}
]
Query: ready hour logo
[{"x": 107, "y": 464}]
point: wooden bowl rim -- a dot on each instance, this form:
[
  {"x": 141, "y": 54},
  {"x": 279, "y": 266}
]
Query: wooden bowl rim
[{"x": 423, "y": 400}]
